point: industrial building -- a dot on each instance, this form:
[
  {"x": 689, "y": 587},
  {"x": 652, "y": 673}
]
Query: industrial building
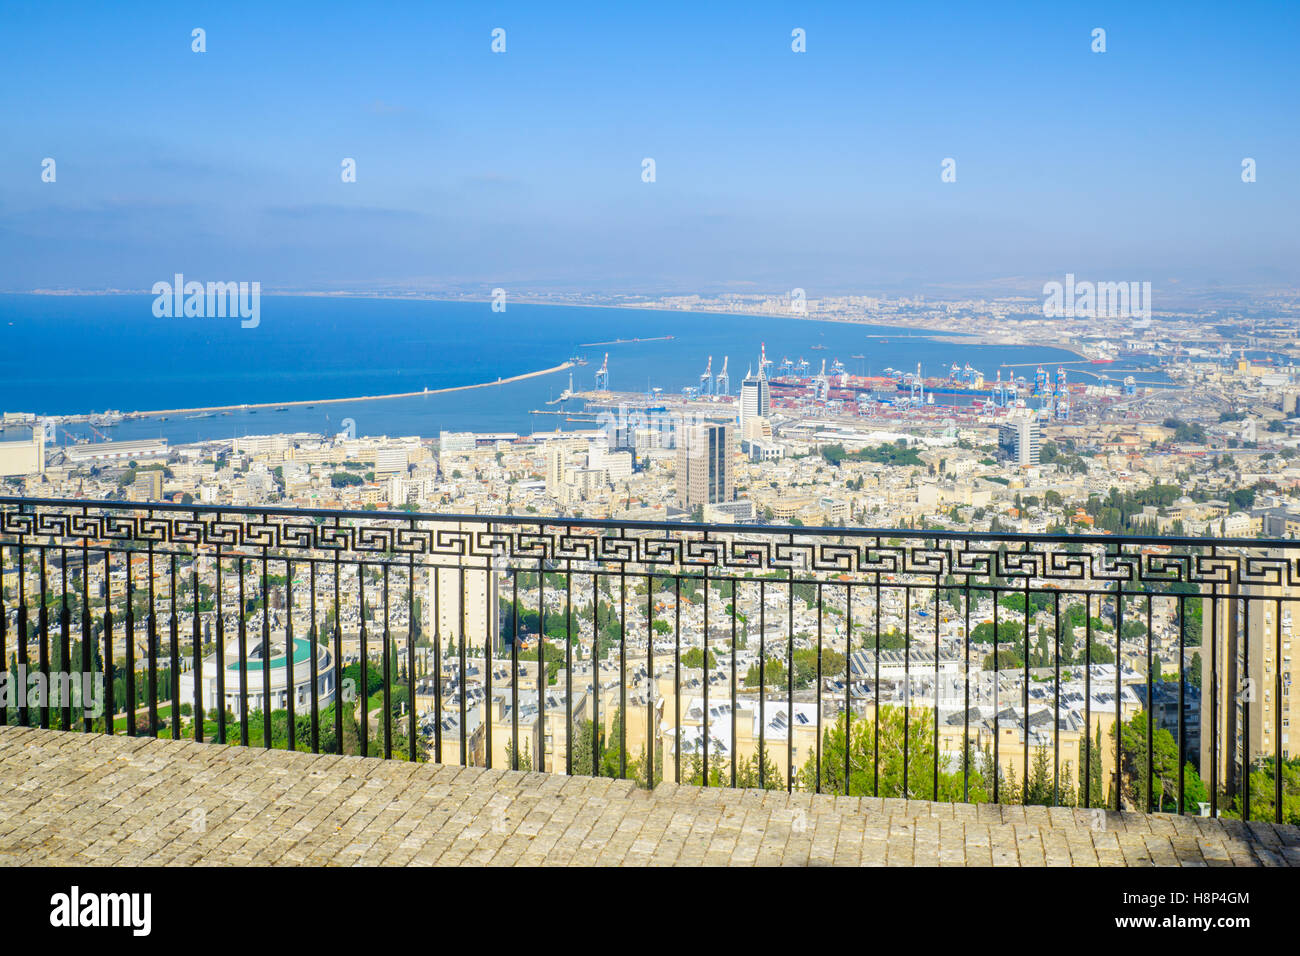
[
  {"x": 19, "y": 458},
  {"x": 117, "y": 451}
]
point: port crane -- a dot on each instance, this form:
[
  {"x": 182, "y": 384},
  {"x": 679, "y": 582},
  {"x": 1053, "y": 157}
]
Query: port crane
[
  {"x": 1062, "y": 397},
  {"x": 722, "y": 384},
  {"x": 706, "y": 380},
  {"x": 602, "y": 375},
  {"x": 821, "y": 384},
  {"x": 918, "y": 386},
  {"x": 76, "y": 439}
]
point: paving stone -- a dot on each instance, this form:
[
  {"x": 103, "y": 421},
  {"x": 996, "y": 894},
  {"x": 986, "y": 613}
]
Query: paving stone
[{"x": 94, "y": 800}]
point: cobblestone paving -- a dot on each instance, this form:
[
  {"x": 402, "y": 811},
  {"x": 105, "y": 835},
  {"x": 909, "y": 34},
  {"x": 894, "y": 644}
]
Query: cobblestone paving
[{"x": 73, "y": 799}]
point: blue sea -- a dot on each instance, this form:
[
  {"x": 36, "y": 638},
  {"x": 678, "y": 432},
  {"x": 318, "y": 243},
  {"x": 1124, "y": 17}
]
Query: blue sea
[{"x": 77, "y": 354}]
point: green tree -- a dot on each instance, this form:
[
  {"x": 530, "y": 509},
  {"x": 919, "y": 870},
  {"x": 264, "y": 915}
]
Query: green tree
[
  {"x": 695, "y": 658},
  {"x": 1093, "y": 796},
  {"x": 773, "y": 673},
  {"x": 609, "y": 760},
  {"x": 1008, "y": 632},
  {"x": 805, "y": 665},
  {"x": 525, "y": 763},
  {"x": 1164, "y": 768},
  {"x": 342, "y": 479},
  {"x": 1263, "y": 796},
  {"x": 864, "y": 758}
]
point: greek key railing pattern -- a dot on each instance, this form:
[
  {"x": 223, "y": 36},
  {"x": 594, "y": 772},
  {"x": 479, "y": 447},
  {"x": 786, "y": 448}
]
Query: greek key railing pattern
[{"x": 479, "y": 626}]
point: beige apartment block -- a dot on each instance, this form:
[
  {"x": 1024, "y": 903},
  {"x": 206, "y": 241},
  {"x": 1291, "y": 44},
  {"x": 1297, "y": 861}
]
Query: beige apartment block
[
  {"x": 461, "y": 601},
  {"x": 1249, "y": 697}
]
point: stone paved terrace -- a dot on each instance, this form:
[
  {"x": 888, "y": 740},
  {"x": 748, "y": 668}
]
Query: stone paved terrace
[{"x": 73, "y": 799}]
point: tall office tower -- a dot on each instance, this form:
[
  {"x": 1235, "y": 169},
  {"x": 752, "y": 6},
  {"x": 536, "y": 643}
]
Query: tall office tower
[
  {"x": 1250, "y": 703},
  {"x": 1018, "y": 439},
  {"x": 556, "y": 456},
  {"x": 704, "y": 464},
  {"x": 755, "y": 396}
]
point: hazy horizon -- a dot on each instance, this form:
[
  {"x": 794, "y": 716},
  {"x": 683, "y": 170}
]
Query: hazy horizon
[{"x": 773, "y": 169}]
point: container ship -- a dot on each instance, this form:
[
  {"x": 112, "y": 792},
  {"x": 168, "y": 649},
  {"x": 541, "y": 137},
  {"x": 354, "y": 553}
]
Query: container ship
[{"x": 934, "y": 386}]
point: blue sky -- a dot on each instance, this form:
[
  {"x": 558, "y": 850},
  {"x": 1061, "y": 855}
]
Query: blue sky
[{"x": 774, "y": 169}]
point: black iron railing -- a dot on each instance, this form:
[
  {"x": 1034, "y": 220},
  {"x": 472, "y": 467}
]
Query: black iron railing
[{"x": 1093, "y": 670}]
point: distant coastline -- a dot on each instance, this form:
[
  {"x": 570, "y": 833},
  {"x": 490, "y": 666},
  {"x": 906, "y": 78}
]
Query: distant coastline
[
  {"x": 893, "y": 321},
  {"x": 933, "y": 332}
]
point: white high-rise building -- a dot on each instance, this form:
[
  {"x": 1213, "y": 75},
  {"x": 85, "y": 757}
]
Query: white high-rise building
[
  {"x": 1018, "y": 439},
  {"x": 617, "y": 464},
  {"x": 755, "y": 396},
  {"x": 391, "y": 461},
  {"x": 456, "y": 442},
  {"x": 556, "y": 455}
]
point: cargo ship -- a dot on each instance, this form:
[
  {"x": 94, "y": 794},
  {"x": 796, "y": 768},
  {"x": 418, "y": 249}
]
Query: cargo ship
[
  {"x": 789, "y": 387},
  {"x": 939, "y": 387}
]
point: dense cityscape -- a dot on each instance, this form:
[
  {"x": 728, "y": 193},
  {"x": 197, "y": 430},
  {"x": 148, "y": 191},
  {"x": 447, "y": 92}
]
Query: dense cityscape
[
  {"x": 690, "y": 435},
  {"x": 1204, "y": 446}
]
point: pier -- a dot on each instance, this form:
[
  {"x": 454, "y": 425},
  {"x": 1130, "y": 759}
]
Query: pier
[
  {"x": 653, "y": 338},
  {"x": 564, "y": 366}
]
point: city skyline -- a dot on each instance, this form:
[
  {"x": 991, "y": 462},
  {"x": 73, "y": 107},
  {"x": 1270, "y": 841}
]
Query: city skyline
[{"x": 712, "y": 436}]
